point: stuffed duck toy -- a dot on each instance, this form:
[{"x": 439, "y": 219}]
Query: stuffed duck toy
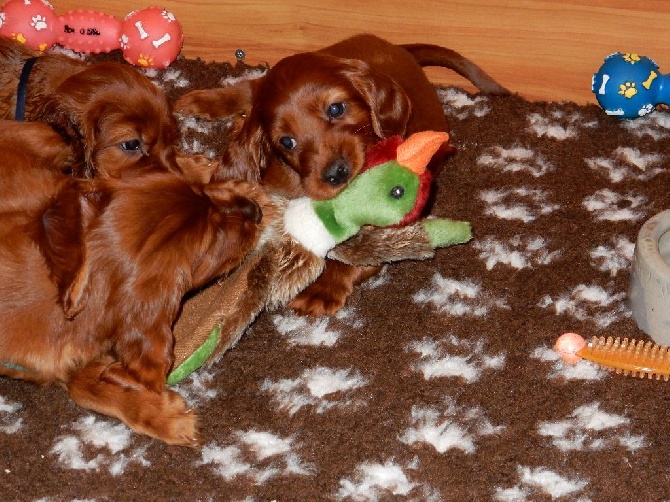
[{"x": 373, "y": 221}]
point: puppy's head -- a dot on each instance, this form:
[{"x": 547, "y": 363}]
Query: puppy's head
[
  {"x": 311, "y": 118},
  {"x": 319, "y": 113},
  {"x": 115, "y": 119}
]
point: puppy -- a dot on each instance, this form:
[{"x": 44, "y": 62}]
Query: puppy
[
  {"x": 92, "y": 274},
  {"x": 113, "y": 117},
  {"x": 311, "y": 117}
]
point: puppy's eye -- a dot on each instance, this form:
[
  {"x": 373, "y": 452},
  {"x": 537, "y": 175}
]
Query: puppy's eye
[
  {"x": 288, "y": 142},
  {"x": 335, "y": 110},
  {"x": 132, "y": 145}
]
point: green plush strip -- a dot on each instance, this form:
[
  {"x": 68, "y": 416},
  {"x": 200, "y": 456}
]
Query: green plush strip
[
  {"x": 197, "y": 359},
  {"x": 443, "y": 232}
]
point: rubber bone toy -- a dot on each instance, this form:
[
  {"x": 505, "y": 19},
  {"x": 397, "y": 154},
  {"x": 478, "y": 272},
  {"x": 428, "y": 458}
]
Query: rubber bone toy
[
  {"x": 301, "y": 233},
  {"x": 629, "y": 86},
  {"x": 150, "y": 38},
  {"x": 630, "y": 357}
]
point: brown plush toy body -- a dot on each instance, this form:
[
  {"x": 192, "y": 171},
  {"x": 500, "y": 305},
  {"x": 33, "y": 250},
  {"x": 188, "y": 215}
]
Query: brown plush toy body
[{"x": 359, "y": 227}]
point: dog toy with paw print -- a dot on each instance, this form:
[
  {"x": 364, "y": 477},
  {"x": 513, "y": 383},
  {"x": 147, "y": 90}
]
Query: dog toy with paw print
[
  {"x": 151, "y": 37},
  {"x": 371, "y": 222},
  {"x": 629, "y": 86}
]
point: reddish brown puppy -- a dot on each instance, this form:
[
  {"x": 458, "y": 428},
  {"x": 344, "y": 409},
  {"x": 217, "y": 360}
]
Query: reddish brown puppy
[
  {"x": 310, "y": 118},
  {"x": 110, "y": 114},
  {"x": 92, "y": 275}
]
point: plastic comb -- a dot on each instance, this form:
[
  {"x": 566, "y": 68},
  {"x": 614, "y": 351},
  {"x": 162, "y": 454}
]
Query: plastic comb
[{"x": 631, "y": 357}]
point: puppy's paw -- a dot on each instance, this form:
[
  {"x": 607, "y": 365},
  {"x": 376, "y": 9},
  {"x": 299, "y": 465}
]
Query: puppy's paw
[
  {"x": 181, "y": 422},
  {"x": 166, "y": 417},
  {"x": 319, "y": 300}
]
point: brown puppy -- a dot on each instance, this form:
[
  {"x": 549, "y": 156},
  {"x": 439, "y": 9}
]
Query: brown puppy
[
  {"x": 112, "y": 116},
  {"x": 92, "y": 274},
  {"x": 311, "y": 117}
]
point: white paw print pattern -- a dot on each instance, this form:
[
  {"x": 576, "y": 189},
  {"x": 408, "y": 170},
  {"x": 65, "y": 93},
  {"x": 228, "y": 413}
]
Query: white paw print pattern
[
  {"x": 319, "y": 388},
  {"x": 541, "y": 481},
  {"x": 626, "y": 162},
  {"x": 558, "y": 124},
  {"x": 589, "y": 428},
  {"x": 457, "y": 103},
  {"x": 514, "y": 160},
  {"x": 614, "y": 257},
  {"x": 449, "y": 427},
  {"x": 258, "y": 456},
  {"x": 590, "y": 302},
  {"x": 39, "y": 22},
  {"x": 454, "y": 357},
  {"x": 654, "y": 125},
  {"x": 458, "y": 298},
  {"x": 10, "y": 423},
  {"x": 518, "y": 252},
  {"x": 111, "y": 442},
  {"x": 607, "y": 205},
  {"x": 524, "y": 204},
  {"x": 373, "y": 482}
]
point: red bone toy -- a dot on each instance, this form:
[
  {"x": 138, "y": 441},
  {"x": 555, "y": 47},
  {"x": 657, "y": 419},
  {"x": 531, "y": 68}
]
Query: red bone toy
[{"x": 151, "y": 38}]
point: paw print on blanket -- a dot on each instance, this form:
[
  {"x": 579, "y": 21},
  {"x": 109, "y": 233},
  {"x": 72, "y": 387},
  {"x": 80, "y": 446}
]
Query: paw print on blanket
[
  {"x": 110, "y": 441},
  {"x": 10, "y": 423},
  {"x": 607, "y": 205},
  {"x": 558, "y": 124},
  {"x": 589, "y": 302},
  {"x": 518, "y": 252},
  {"x": 515, "y": 160},
  {"x": 613, "y": 257},
  {"x": 460, "y": 105},
  {"x": 448, "y": 427},
  {"x": 258, "y": 456},
  {"x": 589, "y": 428},
  {"x": 523, "y": 204},
  {"x": 458, "y": 298},
  {"x": 626, "y": 163},
  {"x": 454, "y": 357},
  {"x": 374, "y": 481},
  {"x": 539, "y": 483},
  {"x": 320, "y": 388}
]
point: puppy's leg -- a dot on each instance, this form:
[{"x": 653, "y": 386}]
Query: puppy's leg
[
  {"x": 330, "y": 291},
  {"x": 106, "y": 387}
]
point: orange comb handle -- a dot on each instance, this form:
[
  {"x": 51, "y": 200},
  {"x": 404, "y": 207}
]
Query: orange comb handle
[{"x": 631, "y": 357}]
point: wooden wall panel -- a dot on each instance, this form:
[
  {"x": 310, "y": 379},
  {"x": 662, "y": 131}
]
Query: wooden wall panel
[{"x": 541, "y": 49}]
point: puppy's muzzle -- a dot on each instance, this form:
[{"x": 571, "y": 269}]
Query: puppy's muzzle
[{"x": 338, "y": 173}]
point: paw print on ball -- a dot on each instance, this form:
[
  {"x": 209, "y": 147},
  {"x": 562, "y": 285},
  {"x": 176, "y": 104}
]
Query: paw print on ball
[{"x": 627, "y": 89}]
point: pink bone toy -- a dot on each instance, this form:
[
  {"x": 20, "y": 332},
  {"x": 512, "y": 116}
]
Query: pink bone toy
[{"x": 151, "y": 37}]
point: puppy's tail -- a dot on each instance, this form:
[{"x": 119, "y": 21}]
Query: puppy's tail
[{"x": 435, "y": 55}]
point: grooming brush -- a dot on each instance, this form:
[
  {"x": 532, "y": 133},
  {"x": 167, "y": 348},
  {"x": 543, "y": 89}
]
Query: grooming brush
[{"x": 631, "y": 357}]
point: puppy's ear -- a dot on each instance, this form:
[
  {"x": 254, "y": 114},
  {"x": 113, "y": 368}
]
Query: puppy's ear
[
  {"x": 65, "y": 117},
  {"x": 232, "y": 100},
  {"x": 390, "y": 107},
  {"x": 62, "y": 241}
]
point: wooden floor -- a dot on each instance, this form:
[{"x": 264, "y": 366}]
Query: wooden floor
[{"x": 546, "y": 50}]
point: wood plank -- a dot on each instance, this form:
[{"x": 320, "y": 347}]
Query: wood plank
[{"x": 544, "y": 50}]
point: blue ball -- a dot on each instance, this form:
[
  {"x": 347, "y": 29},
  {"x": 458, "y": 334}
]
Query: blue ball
[{"x": 626, "y": 85}]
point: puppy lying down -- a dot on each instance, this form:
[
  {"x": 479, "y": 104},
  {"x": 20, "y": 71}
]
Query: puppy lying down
[{"x": 92, "y": 274}]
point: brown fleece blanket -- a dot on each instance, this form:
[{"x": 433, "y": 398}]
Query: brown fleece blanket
[{"x": 438, "y": 381}]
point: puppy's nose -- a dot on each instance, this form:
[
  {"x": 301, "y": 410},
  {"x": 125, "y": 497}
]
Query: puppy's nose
[
  {"x": 337, "y": 173},
  {"x": 248, "y": 209}
]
